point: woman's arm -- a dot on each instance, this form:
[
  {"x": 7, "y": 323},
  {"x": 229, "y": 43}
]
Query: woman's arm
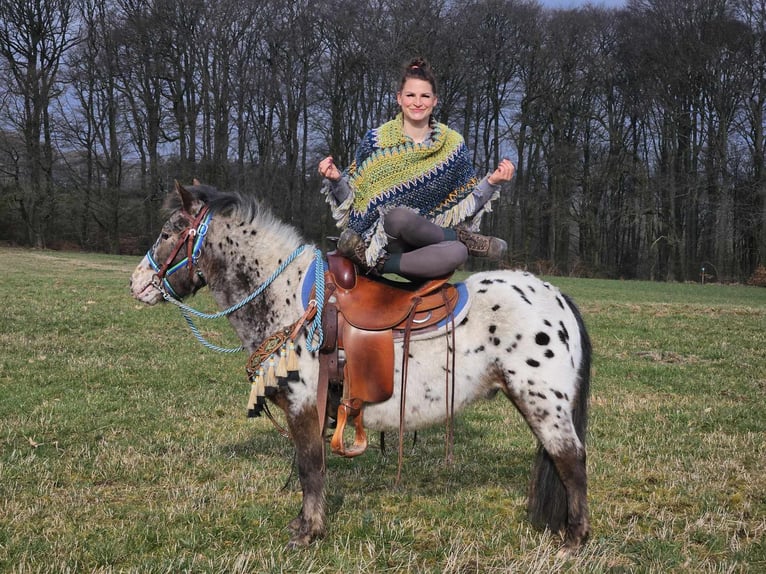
[
  {"x": 338, "y": 186},
  {"x": 489, "y": 187}
]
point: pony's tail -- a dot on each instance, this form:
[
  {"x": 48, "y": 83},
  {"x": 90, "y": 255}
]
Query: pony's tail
[{"x": 547, "y": 497}]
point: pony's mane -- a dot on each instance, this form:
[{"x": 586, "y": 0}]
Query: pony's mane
[
  {"x": 226, "y": 203},
  {"x": 244, "y": 207}
]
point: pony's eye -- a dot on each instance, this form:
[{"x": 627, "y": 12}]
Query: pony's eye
[{"x": 164, "y": 235}]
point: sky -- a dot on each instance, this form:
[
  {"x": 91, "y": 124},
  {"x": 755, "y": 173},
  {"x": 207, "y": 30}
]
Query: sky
[{"x": 579, "y": 3}]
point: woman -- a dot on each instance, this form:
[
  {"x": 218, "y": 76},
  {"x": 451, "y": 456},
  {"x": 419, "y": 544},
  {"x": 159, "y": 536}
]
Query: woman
[{"x": 409, "y": 187}]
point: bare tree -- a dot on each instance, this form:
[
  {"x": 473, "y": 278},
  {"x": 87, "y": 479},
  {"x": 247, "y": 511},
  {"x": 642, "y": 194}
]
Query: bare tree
[
  {"x": 95, "y": 127},
  {"x": 486, "y": 83},
  {"x": 141, "y": 79},
  {"x": 751, "y": 248},
  {"x": 186, "y": 34},
  {"x": 34, "y": 36},
  {"x": 638, "y": 133}
]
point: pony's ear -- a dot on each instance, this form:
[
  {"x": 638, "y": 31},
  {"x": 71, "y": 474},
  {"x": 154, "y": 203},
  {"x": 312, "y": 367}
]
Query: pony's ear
[
  {"x": 195, "y": 181},
  {"x": 186, "y": 198}
]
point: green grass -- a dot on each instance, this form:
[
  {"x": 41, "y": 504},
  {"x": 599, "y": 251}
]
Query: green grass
[{"x": 124, "y": 445}]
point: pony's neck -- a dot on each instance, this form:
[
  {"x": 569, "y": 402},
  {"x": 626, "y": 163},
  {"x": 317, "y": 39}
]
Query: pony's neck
[{"x": 242, "y": 257}]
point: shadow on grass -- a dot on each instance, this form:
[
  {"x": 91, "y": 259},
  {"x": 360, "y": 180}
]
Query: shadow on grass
[{"x": 480, "y": 461}]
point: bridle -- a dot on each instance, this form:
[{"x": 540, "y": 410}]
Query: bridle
[{"x": 192, "y": 237}]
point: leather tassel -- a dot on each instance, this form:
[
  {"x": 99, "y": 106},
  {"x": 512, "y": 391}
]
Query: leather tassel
[
  {"x": 254, "y": 403},
  {"x": 292, "y": 358},
  {"x": 270, "y": 380},
  {"x": 251, "y": 402},
  {"x": 292, "y": 364},
  {"x": 261, "y": 387},
  {"x": 282, "y": 366}
]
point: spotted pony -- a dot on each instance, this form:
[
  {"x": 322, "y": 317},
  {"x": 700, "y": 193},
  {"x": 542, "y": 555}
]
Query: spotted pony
[{"x": 521, "y": 336}]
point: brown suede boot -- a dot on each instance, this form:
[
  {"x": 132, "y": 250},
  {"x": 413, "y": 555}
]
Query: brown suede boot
[
  {"x": 482, "y": 245},
  {"x": 351, "y": 245}
]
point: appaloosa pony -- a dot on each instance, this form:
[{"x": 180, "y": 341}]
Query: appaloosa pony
[{"x": 520, "y": 335}]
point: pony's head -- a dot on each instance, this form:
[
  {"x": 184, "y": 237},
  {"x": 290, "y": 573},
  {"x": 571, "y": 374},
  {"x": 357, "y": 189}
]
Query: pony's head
[
  {"x": 170, "y": 266},
  {"x": 173, "y": 265}
]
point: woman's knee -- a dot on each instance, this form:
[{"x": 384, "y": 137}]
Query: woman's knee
[
  {"x": 458, "y": 253},
  {"x": 400, "y": 219}
]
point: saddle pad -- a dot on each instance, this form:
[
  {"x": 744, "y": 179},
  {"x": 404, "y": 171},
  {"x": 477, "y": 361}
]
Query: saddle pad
[{"x": 461, "y": 308}]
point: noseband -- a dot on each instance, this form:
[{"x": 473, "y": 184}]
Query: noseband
[{"x": 192, "y": 237}]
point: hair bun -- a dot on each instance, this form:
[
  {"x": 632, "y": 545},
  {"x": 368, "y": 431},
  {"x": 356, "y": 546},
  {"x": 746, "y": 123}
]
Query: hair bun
[
  {"x": 416, "y": 63},
  {"x": 420, "y": 69}
]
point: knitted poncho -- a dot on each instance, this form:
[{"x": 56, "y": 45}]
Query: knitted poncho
[{"x": 435, "y": 178}]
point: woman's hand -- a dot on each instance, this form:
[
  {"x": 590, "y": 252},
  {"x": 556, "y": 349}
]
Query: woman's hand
[
  {"x": 328, "y": 169},
  {"x": 503, "y": 173}
]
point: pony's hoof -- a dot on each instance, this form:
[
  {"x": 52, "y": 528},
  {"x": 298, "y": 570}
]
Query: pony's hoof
[
  {"x": 298, "y": 542},
  {"x": 302, "y": 540},
  {"x": 574, "y": 540},
  {"x": 302, "y": 534}
]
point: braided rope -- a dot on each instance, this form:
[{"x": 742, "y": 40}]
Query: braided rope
[
  {"x": 314, "y": 331},
  {"x": 204, "y": 341}
]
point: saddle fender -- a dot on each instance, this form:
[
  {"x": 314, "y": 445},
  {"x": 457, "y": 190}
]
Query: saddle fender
[
  {"x": 369, "y": 366},
  {"x": 368, "y": 377}
]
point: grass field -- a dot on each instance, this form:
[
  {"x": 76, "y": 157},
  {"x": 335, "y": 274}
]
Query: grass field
[{"x": 125, "y": 447}]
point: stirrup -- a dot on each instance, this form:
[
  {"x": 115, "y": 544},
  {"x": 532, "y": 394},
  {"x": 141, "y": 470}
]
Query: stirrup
[{"x": 353, "y": 408}]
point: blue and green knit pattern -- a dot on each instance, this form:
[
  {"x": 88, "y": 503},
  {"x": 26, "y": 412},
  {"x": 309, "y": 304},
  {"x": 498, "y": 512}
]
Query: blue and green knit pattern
[{"x": 435, "y": 178}]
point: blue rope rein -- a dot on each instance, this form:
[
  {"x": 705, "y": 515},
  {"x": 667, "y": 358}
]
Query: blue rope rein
[{"x": 314, "y": 330}]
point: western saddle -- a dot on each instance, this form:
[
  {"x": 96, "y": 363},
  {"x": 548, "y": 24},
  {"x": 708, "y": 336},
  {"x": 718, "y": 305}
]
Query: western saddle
[{"x": 363, "y": 317}]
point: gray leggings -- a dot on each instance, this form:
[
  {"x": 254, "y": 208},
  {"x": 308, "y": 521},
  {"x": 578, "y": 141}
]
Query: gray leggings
[{"x": 427, "y": 250}]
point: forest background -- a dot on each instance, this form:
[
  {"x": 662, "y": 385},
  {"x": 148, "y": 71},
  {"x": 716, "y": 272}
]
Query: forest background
[{"x": 638, "y": 132}]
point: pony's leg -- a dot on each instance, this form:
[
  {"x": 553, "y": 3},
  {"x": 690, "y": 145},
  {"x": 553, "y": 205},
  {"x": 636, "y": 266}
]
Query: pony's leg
[
  {"x": 309, "y": 446},
  {"x": 558, "y": 488},
  {"x": 558, "y": 492}
]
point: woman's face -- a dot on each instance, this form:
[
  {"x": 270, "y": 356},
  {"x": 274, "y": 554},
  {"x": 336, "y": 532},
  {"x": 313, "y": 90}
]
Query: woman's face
[{"x": 417, "y": 100}]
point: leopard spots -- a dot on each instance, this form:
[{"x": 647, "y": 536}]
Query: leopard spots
[
  {"x": 523, "y": 295},
  {"x": 563, "y": 334}
]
